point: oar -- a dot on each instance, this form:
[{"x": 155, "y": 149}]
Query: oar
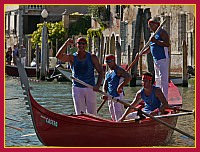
[
  {"x": 12, "y": 119},
  {"x": 33, "y": 134},
  {"x": 180, "y": 109},
  {"x": 65, "y": 73},
  {"x": 136, "y": 59},
  {"x": 53, "y": 77},
  {"x": 175, "y": 115},
  {"x": 183, "y": 110},
  {"x": 16, "y": 128},
  {"x": 11, "y": 98},
  {"x": 68, "y": 76},
  {"x": 147, "y": 44},
  {"x": 101, "y": 105},
  {"x": 167, "y": 116},
  {"x": 126, "y": 104}
]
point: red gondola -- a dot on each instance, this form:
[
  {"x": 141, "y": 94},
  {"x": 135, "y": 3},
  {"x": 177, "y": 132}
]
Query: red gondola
[{"x": 85, "y": 130}]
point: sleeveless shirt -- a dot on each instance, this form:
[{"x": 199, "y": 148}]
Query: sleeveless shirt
[
  {"x": 158, "y": 52},
  {"x": 83, "y": 70},
  {"x": 151, "y": 102},
  {"x": 113, "y": 81}
]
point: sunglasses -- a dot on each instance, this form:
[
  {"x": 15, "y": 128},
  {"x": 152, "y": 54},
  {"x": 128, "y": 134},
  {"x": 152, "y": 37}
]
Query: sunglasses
[
  {"x": 83, "y": 43},
  {"x": 109, "y": 61}
]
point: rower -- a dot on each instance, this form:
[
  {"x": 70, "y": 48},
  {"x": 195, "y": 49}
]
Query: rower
[{"x": 153, "y": 97}]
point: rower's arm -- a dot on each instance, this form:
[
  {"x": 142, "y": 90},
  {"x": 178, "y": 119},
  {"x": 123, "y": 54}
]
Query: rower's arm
[
  {"x": 99, "y": 70},
  {"x": 127, "y": 77},
  {"x": 135, "y": 102},
  {"x": 161, "y": 97},
  {"x": 165, "y": 39},
  {"x": 61, "y": 54}
]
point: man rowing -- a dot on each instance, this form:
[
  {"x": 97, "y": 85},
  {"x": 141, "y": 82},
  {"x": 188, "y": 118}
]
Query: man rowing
[
  {"x": 159, "y": 48},
  {"x": 153, "y": 97}
]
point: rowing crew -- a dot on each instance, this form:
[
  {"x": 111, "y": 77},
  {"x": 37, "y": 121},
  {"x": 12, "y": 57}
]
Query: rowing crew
[{"x": 83, "y": 64}]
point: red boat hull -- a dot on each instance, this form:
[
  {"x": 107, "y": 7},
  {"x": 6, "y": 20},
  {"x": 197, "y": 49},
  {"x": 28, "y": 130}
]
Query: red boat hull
[
  {"x": 85, "y": 130},
  {"x": 11, "y": 70},
  {"x": 88, "y": 131}
]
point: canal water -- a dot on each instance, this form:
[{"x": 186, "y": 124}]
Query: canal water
[{"x": 56, "y": 96}]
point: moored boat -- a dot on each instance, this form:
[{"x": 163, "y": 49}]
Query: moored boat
[
  {"x": 86, "y": 130},
  {"x": 11, "y": 70}
]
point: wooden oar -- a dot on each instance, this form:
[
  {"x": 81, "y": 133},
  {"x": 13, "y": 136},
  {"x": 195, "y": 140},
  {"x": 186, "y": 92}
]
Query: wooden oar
[
  {"x": 143, "y": 49},
  {"x": 146, "y": 45},
  {"x": 136, "y": 59},
  {"x": 180, "y": 109},
  {"x": 68, "y": 76},
  {"x": 65, "y": 73},
  {"x": 183, "y": 110},
  {"x": 167, "y": 116},
  {"x": 126, "y": 104},
  {"x": 11, "y": 98},
  {"x": 12, "y": 119},
  {"x": 53, "y": 77},
  {"x": 16, "y": 128},
  {"x": 175, "y": 115},
  {"x": 101, "y": 105},
  {"x": 33, "y": 134}
]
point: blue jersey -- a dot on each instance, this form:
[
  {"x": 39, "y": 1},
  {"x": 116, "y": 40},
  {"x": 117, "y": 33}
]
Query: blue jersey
[
  {"x": 158, "y": 52},
  {"x": 113, "y": 81},
  {"x": 151, "y": 102},
  {"x": 83, "y": 70}
]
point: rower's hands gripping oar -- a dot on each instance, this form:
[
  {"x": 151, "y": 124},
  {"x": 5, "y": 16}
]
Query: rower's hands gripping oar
[
  {"x": 101, "y": 92},
  {"x": 145, "y": 47}
]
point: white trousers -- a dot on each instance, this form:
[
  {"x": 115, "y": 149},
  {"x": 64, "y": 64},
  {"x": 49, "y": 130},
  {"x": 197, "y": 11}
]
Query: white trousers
[
  {"x": 116, "y": 109},
  {"x": 85, "y": 100},
  {"x": 162, "y": 75}
]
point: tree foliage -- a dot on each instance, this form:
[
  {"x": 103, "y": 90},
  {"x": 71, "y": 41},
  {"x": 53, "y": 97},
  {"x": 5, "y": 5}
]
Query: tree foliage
[
  {"x": 80, "y": 26},
  {"x": 55, "y": 31},
  {"x": 100, "y": 14}
]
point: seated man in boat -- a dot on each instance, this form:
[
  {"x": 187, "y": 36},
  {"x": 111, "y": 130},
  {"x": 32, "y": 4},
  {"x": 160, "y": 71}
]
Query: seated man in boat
[
  {"x": 153, "y": 97},
  {"x": 115, "y": 79},
  {"x": 82, "y": 64}
]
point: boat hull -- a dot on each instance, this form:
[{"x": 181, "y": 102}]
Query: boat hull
[
  {"x": 89, "y": 131},
  {"x": 85, "y": 130},
  {"x": 11, "y": 70}
]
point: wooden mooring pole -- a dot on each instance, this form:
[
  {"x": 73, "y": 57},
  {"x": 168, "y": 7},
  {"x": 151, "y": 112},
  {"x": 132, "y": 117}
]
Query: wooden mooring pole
[
  {"x": 184, "y": 69},
  {"x": 136, "y": 47}
]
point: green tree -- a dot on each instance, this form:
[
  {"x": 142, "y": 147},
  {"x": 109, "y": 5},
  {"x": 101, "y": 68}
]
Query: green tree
[
  {"x": 55, "y": 31},
  {"x": 80, "y": 26}
]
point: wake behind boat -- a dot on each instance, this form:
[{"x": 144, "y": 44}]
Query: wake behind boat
[{"x": 86, "y": 130}]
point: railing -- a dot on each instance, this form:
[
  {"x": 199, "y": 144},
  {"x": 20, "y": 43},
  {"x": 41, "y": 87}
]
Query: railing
[{"x": 33, "y": 7}]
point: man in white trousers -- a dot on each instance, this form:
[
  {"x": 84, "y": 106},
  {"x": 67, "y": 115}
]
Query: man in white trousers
[
  {"x": 82, "y": 64},
  {"x": 159, "y": 48},
  {"x": 115, "y": 79}
]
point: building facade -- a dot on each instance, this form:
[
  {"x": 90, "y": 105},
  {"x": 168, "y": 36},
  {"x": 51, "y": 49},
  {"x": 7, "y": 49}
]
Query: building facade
[
  {"x": 21, "y": 21},
  {"x": 122, "y": 28}
]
